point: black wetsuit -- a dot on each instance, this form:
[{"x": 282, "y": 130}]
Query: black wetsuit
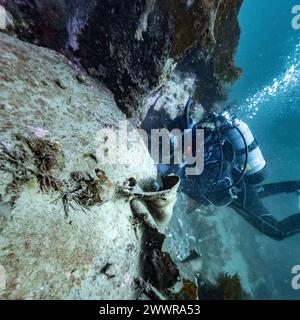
[
  {"x": 252, "y": 209},
  {"x": 210, "y": 185}
]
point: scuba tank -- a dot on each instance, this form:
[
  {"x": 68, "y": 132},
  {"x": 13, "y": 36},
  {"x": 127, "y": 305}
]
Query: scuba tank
[
  {"x": 244, "y": 161},
  {"x": 247, "y": 151}
]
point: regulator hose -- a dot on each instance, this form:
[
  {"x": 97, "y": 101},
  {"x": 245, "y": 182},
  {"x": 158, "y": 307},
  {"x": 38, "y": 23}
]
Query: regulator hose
[
  {"x": 222, "y": 162},
  {"x": 245, "y": 163}
]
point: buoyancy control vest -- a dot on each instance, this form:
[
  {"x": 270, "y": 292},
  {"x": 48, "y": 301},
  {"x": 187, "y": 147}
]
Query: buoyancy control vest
[{"x": 232, "y": 158}]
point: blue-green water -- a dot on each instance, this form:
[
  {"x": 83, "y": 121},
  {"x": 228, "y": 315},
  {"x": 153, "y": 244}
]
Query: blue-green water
[{"x": 269, "y": 98}]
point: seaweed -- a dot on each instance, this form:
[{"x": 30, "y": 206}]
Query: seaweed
[
  {"x": 46, "y": 152},
  {"x": 227, "y": 33},
  {"x": 191, "y": 26},
  {"x": 226, "y": 287},
  {"x": 46, "y": 155},
  {"x": 30, "y": 158},
  {"x": 86, "y": 191},
  {"x": 229, "y": 287},
  {"x": 157, "y": 266},
  {"x": 189, "y": 291},
  {"x": 68, "y": 197}
]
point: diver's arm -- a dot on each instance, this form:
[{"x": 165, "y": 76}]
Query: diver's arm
[{"x": 271, "y": 189}]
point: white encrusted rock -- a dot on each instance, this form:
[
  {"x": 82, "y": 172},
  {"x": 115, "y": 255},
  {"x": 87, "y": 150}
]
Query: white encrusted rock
[{"x": 91, "y": 253}]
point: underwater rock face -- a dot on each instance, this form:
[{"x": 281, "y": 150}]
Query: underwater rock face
[
  {"x": 134, "y": 46},
  {"x": 40, "y": 22},
  {"x": 129, "y": 48},
  {"x": 215, "y": 67},
  {"x": 49, "y": 118}
]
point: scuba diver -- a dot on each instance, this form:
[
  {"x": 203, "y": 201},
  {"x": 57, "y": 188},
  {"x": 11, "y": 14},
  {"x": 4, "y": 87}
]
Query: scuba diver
[{"x": 234, "y": 170}]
